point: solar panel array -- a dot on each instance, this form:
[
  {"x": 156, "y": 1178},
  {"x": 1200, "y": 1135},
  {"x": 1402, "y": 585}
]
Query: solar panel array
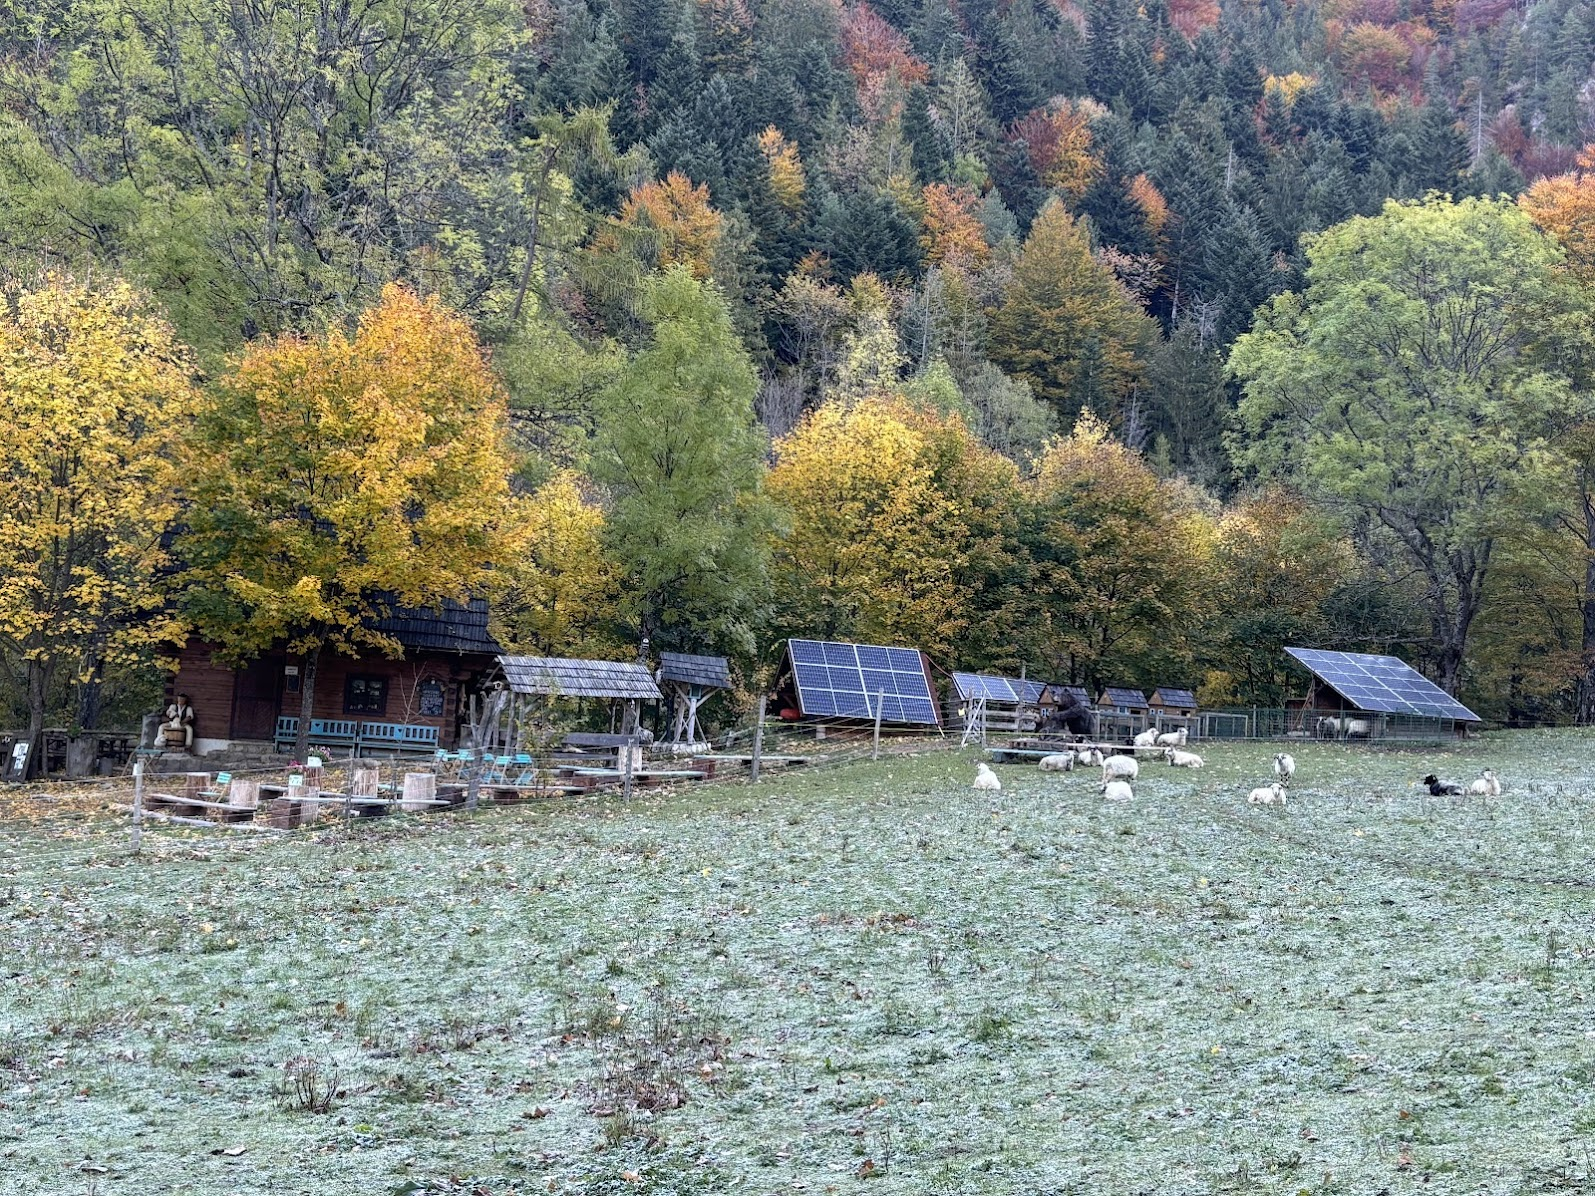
[
  {"x": 838, "y": 680},
  {"x": 1029, "y": 691},
  {"x": 1382, "y": 684},
  {"x": 569, "y": 678}
]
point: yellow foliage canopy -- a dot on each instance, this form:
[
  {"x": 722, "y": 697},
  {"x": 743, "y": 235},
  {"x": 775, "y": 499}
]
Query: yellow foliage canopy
[
  {"x": 953, "y": 232},
  {"x": 94, "y": 390},
  {"x": 881, "y": 496},
  {"x": 1564, "y": 206},
  {"x": 341, "y": 471},
  {"x": 786, "y": 168},
  {"x": 685, "y": 225}
]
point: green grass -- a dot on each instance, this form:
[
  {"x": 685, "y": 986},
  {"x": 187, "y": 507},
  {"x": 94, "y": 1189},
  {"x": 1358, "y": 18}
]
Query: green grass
[{"x": 760, "y": 989}]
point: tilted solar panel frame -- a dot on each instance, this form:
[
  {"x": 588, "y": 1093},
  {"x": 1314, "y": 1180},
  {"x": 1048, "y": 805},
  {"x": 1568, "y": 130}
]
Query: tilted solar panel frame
[
  {"x": 1381, "y": 684},
  {"x": 984, "y": 685},
  {"x": 711, "y": 672},
  {"x": 835, "y": 679}
]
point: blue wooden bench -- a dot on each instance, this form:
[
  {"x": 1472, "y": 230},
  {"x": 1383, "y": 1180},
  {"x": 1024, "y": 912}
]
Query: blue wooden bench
[
  {"x": 398, "y": 737},
  {"x": 333, "y": 732},
  {"x": 287, "y": 732}
]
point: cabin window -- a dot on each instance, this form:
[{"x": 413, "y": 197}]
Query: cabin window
[{"x": 365, "y": 695}]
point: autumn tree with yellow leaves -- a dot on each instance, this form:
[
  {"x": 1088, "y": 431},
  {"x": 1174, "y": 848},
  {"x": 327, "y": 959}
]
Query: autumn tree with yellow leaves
[
  {"x": 94, "y": 390},
  {"x": 337, "y": 477}
]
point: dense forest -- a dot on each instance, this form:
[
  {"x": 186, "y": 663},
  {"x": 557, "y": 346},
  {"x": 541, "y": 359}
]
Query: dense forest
[{"x": 1032, "y": 333}]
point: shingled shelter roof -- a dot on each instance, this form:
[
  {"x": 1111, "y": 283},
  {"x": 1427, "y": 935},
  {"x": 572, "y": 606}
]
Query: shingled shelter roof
[
  {"x": 567, "y": 678},
  {"x": 711, "y": 672},
  {"x": 452, "y": 627}
]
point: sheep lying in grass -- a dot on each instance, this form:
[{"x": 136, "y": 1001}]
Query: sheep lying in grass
[
  {"x": 1439, "y": 788},
  {"x": 1486, "y": 786},
  {"x": 1181, "y": 759},
  {"x": 1172, "y": 738},
  {"x": 1117, "y": 791},
  {"x": 1057, "y": 762},
  {"x": 1089, "y": 757},
  {"x": 1284, "y": 767},
  {"x": 1120, "y": 768},
  {"x": 1147, "y": 738},
  {"x": 986, "y": 780},
  {"x": 1268, "y": 795}
]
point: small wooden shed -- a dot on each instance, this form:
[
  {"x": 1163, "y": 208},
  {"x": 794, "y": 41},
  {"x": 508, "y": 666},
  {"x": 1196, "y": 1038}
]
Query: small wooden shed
[
  {"x": 1178, "y": 703},
  {"x": 690, "y": 681},
  {"x": 1118, "y": 700}
]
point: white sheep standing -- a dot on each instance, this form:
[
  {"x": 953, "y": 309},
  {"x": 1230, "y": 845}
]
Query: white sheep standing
[
  {"x": 1057, "y": 762},
  {"x": 1120, "y": 768},
  {"x": 1268, "y": 795},
  {"x": 1172, "y": 738},
  {"x": 1486, "y": 786},
  {"x": 1284, "y": 767},
  {"x": 986, "y": 780},
  {"x": 1147, "y": 738},
  {"x": 1118, "y": 790},
  {"x": 1182, "y": 759}
]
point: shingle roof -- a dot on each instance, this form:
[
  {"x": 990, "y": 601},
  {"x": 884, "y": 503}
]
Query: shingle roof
[
  {"x": 710, "y": 671},
  {"x": 452, "y": 627},
  {"x": 1115, "y": 695},
  {"x": 564, "y": 677}
]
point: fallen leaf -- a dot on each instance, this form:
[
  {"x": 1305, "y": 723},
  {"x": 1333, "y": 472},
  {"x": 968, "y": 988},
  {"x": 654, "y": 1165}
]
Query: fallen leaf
[
  {"x": 231, "y": 1152},
  {"x": 866, "y": 1169}
]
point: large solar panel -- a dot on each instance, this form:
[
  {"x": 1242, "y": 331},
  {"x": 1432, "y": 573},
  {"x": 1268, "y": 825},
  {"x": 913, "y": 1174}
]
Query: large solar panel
[
  {"x": 993, "y": 689},
  {"x": 1382, "y": 684},
  {"x": 1029, "y": 691},
  {"x": 837, "y": 680}
]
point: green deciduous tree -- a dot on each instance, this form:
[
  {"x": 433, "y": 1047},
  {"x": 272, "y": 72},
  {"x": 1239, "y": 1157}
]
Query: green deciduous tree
[
  {"x": 1411, "y": 385},
  {"x": 682, "y": 460}
]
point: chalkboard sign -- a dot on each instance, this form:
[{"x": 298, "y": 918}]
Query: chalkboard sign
[
  {"x": 432, "y": 699},
  {"x": 19, "y": 762}
]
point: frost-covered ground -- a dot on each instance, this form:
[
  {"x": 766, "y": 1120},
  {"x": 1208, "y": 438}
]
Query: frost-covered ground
[{"x": 858, "y": 978}]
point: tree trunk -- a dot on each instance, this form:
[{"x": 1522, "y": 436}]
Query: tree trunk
[
  {"x": 307, "y": 702},
  {"x": 1585, "y": 695},
  {"x": 38, "y": 698}
]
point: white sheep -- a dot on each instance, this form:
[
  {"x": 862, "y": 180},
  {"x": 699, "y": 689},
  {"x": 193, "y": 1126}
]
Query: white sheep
[
  {"x": 1486, "y": 786},
  {"x": 1147, "y": 738},
  {"x": 1120, "y": 768},
  {"x": 1172, "y": 738},
  {"x": 1284, "y": 767},
  {"x": 1351, "y": 728},
  {"x": 1181, "y": 759},
  {"x": 1090, "y": 757},
  {"x": 1117, "y": 791},
  {"x": 1057, "y": 762},
  {"x": 986, "y": 780},
  {"x": 1268, "y": 795}
]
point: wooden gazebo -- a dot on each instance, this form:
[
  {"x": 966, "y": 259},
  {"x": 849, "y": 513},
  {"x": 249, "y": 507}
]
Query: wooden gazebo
[{"x": 688, "y": 682}]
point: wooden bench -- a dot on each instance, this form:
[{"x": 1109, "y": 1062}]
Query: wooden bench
[{"x": 398, "y": 737}]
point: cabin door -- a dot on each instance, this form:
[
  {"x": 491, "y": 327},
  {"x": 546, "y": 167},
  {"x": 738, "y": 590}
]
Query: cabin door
[{"x": 257, "y": 691}]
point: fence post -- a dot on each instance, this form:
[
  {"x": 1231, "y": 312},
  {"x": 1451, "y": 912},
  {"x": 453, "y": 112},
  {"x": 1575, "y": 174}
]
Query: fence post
[
  {"x": 631, "y": 753},
  {"x": 758, "y": 741},
  {"x": 138, "y": 803},
  {"x": 875, "y": 747},
  {"x": 473, "y": 768}
]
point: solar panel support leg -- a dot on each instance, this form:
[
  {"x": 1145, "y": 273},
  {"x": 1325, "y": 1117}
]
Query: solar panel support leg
[
  {"x": 758, "y": 742},
  {"x": 875, "y": 746}
]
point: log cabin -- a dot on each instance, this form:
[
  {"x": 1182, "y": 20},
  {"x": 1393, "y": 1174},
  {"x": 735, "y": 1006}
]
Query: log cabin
[{"x": 446, "y": 654}]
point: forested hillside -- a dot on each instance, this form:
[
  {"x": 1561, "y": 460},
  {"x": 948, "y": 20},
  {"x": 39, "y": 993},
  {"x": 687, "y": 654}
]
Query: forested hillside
[{"x": 966, "y": 274}]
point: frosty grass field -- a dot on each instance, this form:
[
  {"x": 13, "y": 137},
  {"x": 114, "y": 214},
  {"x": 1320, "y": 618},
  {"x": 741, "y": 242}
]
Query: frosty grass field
[{"x": 859, "y": 978}]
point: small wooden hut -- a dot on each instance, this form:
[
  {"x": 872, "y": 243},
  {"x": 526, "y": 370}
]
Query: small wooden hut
[
  {"x": 1121, "y": 712},
  {"x": 1174, "y": 703},
  {"x": 551, "y": 677},
  {"x": 688, "y": 682}
]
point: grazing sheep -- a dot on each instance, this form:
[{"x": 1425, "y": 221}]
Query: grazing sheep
[
  {"x": 1172, "y": 738},
  {"x": 1486, "y": 786},
  {"x": 1268, "y": 795},
  {"x": 1285, "y": 767},
  {"x": 1147, "y": 738},
  {"x": 1058, "y": 762},
  {"x": 1120, "y": 768},
  {"x": 1439, "y": 788},
  {"x": 1181, "y": 759},
  {"x": 1117, "y": 791},
  {"x": 986, "y": 780}
]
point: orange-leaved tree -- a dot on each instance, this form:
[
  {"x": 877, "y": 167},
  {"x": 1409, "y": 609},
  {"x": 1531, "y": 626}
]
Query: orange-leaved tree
[
  {"x": 341, "y": 476},
  {"x": 93, "y": 391}
]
